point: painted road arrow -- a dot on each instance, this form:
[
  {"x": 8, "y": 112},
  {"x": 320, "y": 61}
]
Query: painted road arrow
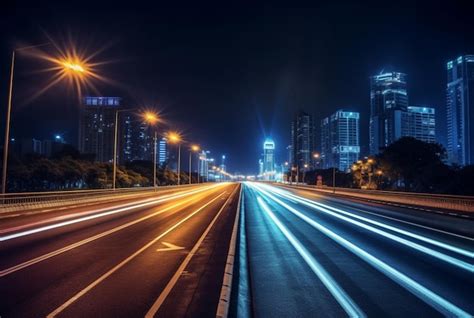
[{"x": 170, "y": 247}]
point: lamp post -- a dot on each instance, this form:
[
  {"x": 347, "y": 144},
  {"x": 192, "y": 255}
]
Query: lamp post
[
  {"x": 152, "y": 119},
  {"x": 175, "y": 138},
  {"x": 71, "y": 67},
  {"x": 194, "y": 148},
  {"x": 333, "y": 179},
  {"x": 114, "y": 161}
]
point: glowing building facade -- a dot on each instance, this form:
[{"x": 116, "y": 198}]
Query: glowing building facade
[
  {"x": 97, "y": 127},
  {"x": 460, "y": 110},
  {"x": 388, "y": 102},
  {"x": 340, "y": 140}
]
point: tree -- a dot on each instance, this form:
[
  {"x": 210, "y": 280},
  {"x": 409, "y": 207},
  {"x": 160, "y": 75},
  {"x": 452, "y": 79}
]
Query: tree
[{"x": 412, "y": 164}]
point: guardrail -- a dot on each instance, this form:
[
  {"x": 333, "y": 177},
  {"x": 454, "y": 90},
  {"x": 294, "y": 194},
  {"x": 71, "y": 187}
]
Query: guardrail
[
  {"x": 30, "y": 200},
  {"x": 437, "y": 201}
]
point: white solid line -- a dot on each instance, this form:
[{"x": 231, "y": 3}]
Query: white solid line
[
  {"x": 161, "y": 298},
  {"x": 125, "y": 261},
  {"x": 344, "y": 300},
  {"x": 226, "y": 289},
  {"x": 425, "y": 294}
]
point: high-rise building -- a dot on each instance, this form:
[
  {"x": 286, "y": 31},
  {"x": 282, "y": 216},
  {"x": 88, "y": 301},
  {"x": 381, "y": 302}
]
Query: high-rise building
[
  {"x": 388, "y": 102},
  {"x": 269, "y": 158},
  {"x": 136, "y": 140},
  {"x": 97, "y": 126},
  {"x": 460, "y": 110},
  {"x": 420, "y": 123},
  {"x": 302, "y": 139},
  {"x": 340, "y": 140},
  {"x": 163, "y": 151}
]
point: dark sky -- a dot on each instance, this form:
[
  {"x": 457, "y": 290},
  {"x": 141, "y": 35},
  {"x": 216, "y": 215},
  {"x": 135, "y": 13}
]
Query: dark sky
[{"x": 229, "y": 75}]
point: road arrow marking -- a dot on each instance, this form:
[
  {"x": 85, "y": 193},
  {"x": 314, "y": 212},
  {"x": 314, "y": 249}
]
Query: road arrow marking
[{"x": 170, "y": 247}]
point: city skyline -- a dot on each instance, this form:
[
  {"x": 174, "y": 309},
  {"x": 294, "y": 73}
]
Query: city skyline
[{"x": 294, "y": 79}]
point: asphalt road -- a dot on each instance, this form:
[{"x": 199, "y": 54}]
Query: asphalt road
[
  {"x": 161, "y": 256},
  {"x": 313, "y": 255}
]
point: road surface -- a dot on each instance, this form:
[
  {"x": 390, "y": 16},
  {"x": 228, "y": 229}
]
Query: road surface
[
  {"x": 161, "y": 256},
  {"x": 315, "y": 255}
]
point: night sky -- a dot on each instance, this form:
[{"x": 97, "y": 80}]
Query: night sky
[{"x": 227, "y": 75}]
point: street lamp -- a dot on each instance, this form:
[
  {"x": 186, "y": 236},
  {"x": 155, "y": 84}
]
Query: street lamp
[
  {"x": 114, "y": 161},
  {"x": 175, "y": 138},
  {"x": 151, "y": 118},
  {"x": 193, "y": 148},
  {"x": 8, "y": 117}
]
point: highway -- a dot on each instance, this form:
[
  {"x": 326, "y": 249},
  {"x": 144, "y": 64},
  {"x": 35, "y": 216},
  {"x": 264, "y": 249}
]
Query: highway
[
  {"x": 308, "y": 254},
  {"x": 161, "y": 255}
]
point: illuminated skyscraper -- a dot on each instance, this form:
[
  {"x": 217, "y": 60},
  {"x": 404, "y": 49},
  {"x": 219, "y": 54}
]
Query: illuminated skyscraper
[
  {"x": 269, "y": 158},
  {"x": 302, "y": 139},
  {"x": 97, "y": 127},
  {"x": 460, "y": 110},
  {"x": 163, "y": 151},
  {"x": 388, "y": 102},
  {"x": 420, "y": 123},
  {"x": 340, "y": 140}
]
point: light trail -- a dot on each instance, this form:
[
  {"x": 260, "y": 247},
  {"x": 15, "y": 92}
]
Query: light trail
[
  {"x": 349, "y": 306},
  {"x": 94, "y": 216},
  {"x": 431, "y": 298},
  {"x": 335, "y": 212},
  {"x": 96, "y": 282}
]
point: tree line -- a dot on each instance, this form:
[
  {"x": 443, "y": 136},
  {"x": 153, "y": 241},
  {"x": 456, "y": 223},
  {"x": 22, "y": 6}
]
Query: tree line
[
  {"x": 68, "y": 169},
  {"x": 406, "y": 165}
]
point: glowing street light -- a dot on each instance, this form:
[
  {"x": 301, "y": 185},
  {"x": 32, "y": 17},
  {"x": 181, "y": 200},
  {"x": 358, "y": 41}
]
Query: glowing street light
[
  {"x": 193, "y": 148},
  {"x": 175, "y": 138},
  {"x": 151, "y": 118}
]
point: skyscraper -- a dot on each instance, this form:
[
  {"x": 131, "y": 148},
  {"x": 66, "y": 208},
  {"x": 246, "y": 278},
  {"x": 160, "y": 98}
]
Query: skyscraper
[
  {"x": 136, "y": 138},
  {"x": 97, "y": 126},
  {"x": 340, "y": 140},
  {"x": 460, "y": 110},
  {"x": 302, "y": 139},
  {"x": 388, "y": 101},
  {"x": 163, "y": 151},
  {"x": 420, "y": 123},
  {"x": 269, "y": 158}
]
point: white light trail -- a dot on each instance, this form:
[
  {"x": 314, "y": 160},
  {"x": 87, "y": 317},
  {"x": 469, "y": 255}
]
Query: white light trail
[
  {"x": 98, "y": 215},
  {"x": 336, "y": 213},
  {"x": 349, "y": 306},
  {"x": 425, "y": 294}
]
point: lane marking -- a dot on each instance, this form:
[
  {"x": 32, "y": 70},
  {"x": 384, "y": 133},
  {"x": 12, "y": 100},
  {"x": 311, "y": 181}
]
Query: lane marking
[
  {"x": 425, "y": 294},
  {"x": 161, "y": 298},
  {"x": 94, "y": 216},
  {"x": 449, "y": 259},
  {"x": 346, "y": 302},
  {"x": 169, "y": 247},
  {"x": 41, "y": 258},
  {"x": 127, "y": 260}
]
